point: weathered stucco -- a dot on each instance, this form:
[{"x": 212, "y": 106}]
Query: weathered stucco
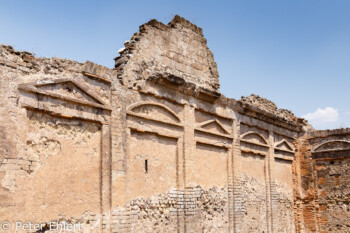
[{"x": 152, "y": 146}]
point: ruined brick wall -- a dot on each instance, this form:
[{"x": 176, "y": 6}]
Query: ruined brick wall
[
  {"x": 324, "y": 177},
  {"x": 263, "y": 183},
  {"x": 152, "y": 146},
  {"x": 174, "y": 50},
  {"x": 52, "y": 122},
  {"x": 305, "y": 191}
]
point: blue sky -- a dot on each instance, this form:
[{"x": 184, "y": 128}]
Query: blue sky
[{"x": 295, "y": 53}]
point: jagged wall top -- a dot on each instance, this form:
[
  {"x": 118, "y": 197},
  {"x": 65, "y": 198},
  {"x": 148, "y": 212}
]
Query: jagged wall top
[
  {"x": 177, "y": 49},
  {"x": 270, "y": 107}
]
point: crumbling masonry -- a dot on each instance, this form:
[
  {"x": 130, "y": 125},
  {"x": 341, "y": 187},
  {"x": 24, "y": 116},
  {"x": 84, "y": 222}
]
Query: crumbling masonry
[{"x": 152, "y": 146}]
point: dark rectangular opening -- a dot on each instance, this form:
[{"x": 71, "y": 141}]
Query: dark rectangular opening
[{"x": 146, "y": 166}]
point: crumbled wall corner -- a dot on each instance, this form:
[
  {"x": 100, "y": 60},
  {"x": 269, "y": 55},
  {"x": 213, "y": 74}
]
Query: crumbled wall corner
[
  {"x": 321, "y": 181},
  {"x": 270, "y": 107},
  {"x": 26, "y": 63},
  {"x": 178, "y": 48}
]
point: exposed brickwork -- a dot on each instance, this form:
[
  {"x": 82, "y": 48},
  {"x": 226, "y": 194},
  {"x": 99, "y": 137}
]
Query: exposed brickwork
[
  {"x": 305, "y": 195},
  {"x": 324, "y": 181},
  {"x": 152, "y": 146},
  {"x": 177, "y": 49}
]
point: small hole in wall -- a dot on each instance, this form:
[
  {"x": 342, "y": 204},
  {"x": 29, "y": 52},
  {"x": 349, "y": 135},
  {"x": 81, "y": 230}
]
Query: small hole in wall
[
  {"x": 146, "y": 166},
  {"x": 69, "y": 89},
  {"x": 331, "y": 162}
]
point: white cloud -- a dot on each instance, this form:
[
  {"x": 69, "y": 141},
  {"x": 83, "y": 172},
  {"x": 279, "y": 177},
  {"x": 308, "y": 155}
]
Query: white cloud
[{"x": 323, "y": 118}]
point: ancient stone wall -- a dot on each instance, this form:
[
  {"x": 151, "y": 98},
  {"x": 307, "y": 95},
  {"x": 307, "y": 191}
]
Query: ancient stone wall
[
  {"x": 152, "y": 146},
  {"x": 53, "y": 122},
  {"x": 263, "y": 177},
  {"x": 168, "y": 51},
  {"x": 325, "y": 186}
]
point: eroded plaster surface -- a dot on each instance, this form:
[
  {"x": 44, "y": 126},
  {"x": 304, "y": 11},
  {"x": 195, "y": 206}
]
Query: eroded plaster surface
[{"x": 153, "y": 146}]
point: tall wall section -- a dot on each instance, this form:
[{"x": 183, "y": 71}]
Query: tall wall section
[
  {"x": 55, "y": 140},
  {"x": 150, "y": 146},
  {"x": 195, "y": 161},
  {"x": 324, "y": 195},
  {"x": 168, "y": 51}
]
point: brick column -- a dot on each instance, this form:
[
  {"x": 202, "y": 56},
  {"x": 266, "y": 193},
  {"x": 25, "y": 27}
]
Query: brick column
[
  {"x": 269, "y": 162},
  {"x": 189, "y": 147},
  {"x": 106, "y": 177},
  {"x": 238, "y": 212}
]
